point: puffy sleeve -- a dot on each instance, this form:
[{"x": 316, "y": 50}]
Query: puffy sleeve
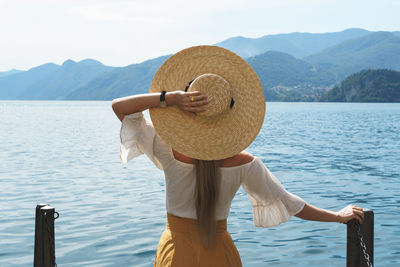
[
  {"x": 138, "y": 137},
  {"x": 272, "y": 204}
]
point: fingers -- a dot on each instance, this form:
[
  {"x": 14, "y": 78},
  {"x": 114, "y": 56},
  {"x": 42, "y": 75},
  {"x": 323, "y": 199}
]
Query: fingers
[
  {"x": 199, "y": 103},
  {"x": 194, "y": 109},
  {"x": 352, "y": 211},
  {"x": 359, "y": 215},
  {"x": 195, "y": 106},
  {"x": 197, "y": 98},
  {"x": 194, "y": 93},
  {"x": 192, "y": 102},
  {"x": 195, "y": 102}
]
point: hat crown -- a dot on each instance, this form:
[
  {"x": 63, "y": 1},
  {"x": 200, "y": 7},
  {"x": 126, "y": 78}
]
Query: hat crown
[{"x": 218, "y": 91}]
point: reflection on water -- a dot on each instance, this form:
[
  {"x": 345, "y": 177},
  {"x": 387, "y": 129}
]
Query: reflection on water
[{"x": 67, "y": 154}]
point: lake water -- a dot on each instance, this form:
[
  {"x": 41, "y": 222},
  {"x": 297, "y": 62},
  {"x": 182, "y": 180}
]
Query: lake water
[{"x": 67, "y": 154}]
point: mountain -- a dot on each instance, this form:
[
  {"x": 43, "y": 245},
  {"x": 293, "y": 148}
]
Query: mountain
[
  {"x": 50, "y": 81},
  {"x": 274, "y": 69},
  {"x": 10, "y": 72},
  {"x": 373, "y": 51},
  {"x": 281, "y": 69},
  {"x": 297, "y": 44},
  {"x": 120, "y": 82},
  {"x": 12, "y": 86},
  {"x": 65, "y": 79},
  {"x": 285, "y": 78},
  {"x": 379, "y": 85}
]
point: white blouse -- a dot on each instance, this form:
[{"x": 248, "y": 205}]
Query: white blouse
[{"x": 272, "y": 204}]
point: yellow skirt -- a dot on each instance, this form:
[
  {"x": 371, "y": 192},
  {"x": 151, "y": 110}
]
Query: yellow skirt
[{"x": 180, "y": 246}]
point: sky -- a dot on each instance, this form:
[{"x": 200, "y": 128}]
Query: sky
[{"x": 122, "y": 32}]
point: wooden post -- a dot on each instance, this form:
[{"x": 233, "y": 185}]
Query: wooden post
[
  {"x": 44, "y": 236},
  {"x": 355, "y": 252},
  {"x": 38, "y": 257}
]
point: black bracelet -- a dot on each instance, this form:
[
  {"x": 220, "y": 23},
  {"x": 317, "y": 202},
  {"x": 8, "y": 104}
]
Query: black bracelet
[
  {"x": 162, "y": 96},
  {"x": 163, "y": 104}
]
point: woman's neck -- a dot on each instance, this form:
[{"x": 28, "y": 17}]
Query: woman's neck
[
  {"x": 236, "y": 160},
  {"x": 183, "y": 158}
]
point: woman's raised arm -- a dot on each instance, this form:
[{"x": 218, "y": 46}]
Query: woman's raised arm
[
  {"x": 312, "y": 213},
  {"x": 190, "y": 102}
]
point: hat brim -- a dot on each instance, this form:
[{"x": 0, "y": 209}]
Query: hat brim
[{"x": 212, "y": 138}]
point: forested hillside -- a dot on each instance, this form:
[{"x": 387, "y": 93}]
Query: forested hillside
[{"x": 380, "y": 85}]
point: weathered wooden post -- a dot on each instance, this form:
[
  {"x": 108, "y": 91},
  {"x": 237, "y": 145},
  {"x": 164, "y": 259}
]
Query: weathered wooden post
[
  {"x": 38, "y": 236},
  {"x": 44, "y": 255},
  {"x": 360, "y": 241}
]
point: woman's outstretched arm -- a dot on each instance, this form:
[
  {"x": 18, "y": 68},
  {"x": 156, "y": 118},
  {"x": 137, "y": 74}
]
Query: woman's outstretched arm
[
  {"x": 190, "y": 102},
  {"x": 312, "y": 213}
]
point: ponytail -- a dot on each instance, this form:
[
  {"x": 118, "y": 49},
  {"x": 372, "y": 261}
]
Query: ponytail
[{"x": 206, "y": 194}]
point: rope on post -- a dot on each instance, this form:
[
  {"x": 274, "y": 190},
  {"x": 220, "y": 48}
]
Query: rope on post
[
  {"x": 360, "y": 241},
  {"x": 44, "y": 255}
]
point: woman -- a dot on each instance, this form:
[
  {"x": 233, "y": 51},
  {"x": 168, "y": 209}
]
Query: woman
[{"x": 207, "y": 105}]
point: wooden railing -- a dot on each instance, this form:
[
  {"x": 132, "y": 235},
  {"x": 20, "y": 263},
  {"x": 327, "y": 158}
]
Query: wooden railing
[{"x": 360, "y": 239}]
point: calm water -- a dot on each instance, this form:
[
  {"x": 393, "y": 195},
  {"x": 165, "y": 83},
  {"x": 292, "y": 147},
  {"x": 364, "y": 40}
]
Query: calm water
[{"x": 67, "y": 154}]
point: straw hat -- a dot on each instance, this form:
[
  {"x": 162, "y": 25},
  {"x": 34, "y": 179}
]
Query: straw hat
[{"x": 236, "y": 108}]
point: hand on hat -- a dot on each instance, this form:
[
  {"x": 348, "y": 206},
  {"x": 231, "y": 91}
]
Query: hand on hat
[
  {"x": 191, "y": 102},
  {"x": 350, "y": 212}
]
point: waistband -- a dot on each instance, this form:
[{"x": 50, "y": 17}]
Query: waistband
[{"x": 180, "y": 224}]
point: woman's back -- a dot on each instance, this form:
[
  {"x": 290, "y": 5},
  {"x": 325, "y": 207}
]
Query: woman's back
[{"x": 272, "y": 204}]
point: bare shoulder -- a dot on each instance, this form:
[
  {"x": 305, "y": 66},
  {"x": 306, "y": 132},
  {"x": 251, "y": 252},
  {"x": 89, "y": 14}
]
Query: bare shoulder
[
  {"x": 245, "y": 157},
  {"x": 237, "y": 160}
]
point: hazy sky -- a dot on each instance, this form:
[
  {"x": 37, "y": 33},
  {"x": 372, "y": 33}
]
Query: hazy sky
[{"x": 119, "y": 33}]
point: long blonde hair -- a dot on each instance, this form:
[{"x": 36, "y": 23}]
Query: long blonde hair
[{"x": 208, "y": 180}]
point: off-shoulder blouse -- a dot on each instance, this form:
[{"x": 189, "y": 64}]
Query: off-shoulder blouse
[{"x": 272, "y": 203}]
